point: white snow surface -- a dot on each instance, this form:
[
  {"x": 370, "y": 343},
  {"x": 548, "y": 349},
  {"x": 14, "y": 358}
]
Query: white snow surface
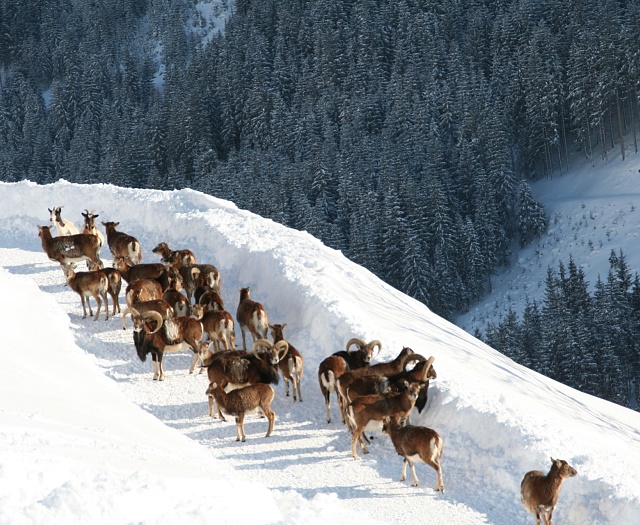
[{"x": 88, "y": 437}]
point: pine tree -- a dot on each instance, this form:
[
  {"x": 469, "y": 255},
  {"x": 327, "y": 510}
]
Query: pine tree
[
  {"x": 530, "y": 342},
  {"x": 509, "y": 333},
  {"x": 393, "y": 236},
  {"x": 532, "y": 221}
]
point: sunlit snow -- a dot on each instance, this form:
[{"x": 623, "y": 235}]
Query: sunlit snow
[{"x": 89, "y": 437}]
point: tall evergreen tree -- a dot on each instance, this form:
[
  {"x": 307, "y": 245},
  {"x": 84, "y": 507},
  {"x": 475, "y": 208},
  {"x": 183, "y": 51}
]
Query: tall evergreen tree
[{"x": 532, "y": 221}]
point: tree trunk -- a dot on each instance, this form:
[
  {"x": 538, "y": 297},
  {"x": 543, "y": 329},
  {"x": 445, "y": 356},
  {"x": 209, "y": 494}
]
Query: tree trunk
[{"x": 620, "y": 131}]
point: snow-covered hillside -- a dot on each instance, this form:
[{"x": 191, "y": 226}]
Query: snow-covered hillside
[
  {"x": 79, "y": 446},
  {"x": 592, "y": 210}
]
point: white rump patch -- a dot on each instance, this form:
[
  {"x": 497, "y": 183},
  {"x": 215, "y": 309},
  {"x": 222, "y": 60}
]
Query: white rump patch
[
  {"x": 330, "y": 383},
  {"x": 171, "y": 329}
]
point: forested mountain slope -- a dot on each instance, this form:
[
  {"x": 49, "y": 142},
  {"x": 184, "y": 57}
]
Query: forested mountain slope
[
  {"x": 569, "y": 304},
  {"x": 400, "y": 132}
]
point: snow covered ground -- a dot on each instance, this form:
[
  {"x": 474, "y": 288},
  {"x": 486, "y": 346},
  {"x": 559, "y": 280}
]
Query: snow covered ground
[{"x": 87, "y": 436}]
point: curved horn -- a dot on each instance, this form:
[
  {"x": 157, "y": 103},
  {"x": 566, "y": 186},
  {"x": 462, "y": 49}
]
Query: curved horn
[
  {"x": 375, "y": 343},
  {"x": 128, "y": 311},
  {"x": 281, "y": 346},
  {"x": 414, "y": 358},
  {"x": 356, "y": 341},
  {"x": 427, "y": 367},
  {"x": 262, "y": 343},
  {"x": 154, "y": 316}
]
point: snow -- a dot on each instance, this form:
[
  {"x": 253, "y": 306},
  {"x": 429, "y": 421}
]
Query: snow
[
  {"x": 88, "y": 436},
  {"x": 210, "y": 18}
]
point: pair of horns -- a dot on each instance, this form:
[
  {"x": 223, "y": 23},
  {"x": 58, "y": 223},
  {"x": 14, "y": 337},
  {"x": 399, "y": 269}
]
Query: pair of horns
[
  {"x": 282, "y": 347},
  {"x": 362, "y": 345}
]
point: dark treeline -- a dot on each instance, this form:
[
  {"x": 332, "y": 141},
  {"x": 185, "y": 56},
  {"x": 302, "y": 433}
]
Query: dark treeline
[
  {"x": 587, "y": 341},
  {"x": 401, "y": 132}
]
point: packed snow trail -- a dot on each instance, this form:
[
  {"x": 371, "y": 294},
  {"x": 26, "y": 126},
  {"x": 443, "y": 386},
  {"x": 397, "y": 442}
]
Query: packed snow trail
[{"x": 303, "y": 458}]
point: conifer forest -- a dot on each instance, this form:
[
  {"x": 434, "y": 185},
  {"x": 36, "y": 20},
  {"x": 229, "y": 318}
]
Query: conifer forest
[{"x": 402, "y": 132}]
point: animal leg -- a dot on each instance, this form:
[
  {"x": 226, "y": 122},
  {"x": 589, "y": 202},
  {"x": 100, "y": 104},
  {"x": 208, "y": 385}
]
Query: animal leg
[
  {"x": 286, "y": 388},
  {"x": 435, "y": 464},
  {"x": 271, "y": 416},
  {"x": 297, "y": 387},
  {"x": 99, "y": 303},
  {"x": 347, "y": 420},
  {"x": 297, "y": 378},
  {"x": 546, "y": 513},
  {"x": 194, "y": 362},
  {"x": 327, "y": 404},
  {"x": 341, "y": 407},
  {"x": 106, "y": 306},
  {"x": 116, "y": 303},
  {"x": 538, "y": 516},
  {"x": 160, "y": 367},
  {"x": 156, "y": 369},
  {"x": 240, "y": 428},
  {"x": 355, "y": 440},
  {"x": 403, "y": 476},
  {"x": 84, "y": 310},
  {"x": 412, "y": 466},
  {"x": 99, "y": 298},
  {"x": 86, "y": 298},
  {"x": 344, "y": 404},
  {"x": 440, "y": 485}
]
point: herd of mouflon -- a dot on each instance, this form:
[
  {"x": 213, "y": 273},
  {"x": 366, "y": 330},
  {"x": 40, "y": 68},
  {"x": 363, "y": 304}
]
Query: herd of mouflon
[{"x": 176, "y": 304}]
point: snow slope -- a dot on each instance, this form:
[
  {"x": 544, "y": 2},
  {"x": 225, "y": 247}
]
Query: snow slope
[
  {"x": 498, "y": 419},
  {"x": 592, "y": 210}
]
